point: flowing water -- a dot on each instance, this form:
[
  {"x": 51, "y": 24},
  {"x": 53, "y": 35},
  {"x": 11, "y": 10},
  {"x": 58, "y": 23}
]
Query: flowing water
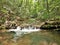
[
  {"x": 20, "y": 32},
  {"x": 29, "y": 36},
  {"x": 35, "y": 38}
]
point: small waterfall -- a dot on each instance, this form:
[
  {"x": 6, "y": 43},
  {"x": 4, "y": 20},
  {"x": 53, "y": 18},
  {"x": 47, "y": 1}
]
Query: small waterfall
[{"x": 20, "y": 31}]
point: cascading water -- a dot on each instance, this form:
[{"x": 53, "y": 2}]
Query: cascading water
[{"x": 20, "y": 31}]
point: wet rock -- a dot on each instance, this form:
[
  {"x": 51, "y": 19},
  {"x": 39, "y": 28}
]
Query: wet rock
[
  {"x": 49, "y": 25},
  {"x": 10, "y": 25}
]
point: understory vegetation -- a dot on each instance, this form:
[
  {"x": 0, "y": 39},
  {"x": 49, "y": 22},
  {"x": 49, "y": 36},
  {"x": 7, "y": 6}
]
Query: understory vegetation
[{"x": 29, "y": 11}]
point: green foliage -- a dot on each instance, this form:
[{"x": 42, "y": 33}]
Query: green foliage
[{"x": 40, "y": 9}]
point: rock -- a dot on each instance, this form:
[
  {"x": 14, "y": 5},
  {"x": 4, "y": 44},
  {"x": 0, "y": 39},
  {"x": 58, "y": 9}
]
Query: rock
[{"x": 48, "y": 25}]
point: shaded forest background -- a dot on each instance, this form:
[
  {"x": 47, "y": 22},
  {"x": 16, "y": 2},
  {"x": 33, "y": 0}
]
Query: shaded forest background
[{"x": 29, "y": 11}]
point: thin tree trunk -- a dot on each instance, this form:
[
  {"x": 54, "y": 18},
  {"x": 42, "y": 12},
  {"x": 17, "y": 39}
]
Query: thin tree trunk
[{"x": 47, "y": 6}]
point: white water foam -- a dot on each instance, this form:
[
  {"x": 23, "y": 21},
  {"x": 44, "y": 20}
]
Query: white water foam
[{"x": 19, "y": 32}]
